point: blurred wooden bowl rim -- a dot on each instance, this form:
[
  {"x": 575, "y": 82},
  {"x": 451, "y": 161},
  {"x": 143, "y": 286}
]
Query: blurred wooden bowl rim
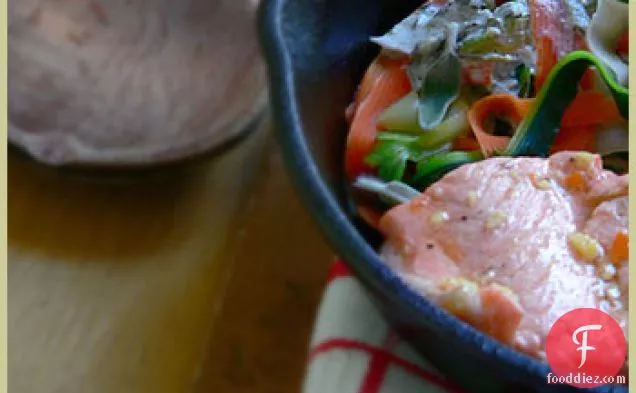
[{"x": 131, "y": 83}]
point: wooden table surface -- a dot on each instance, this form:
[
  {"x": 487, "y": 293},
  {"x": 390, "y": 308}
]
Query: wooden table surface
[{"x": 207, "y": 281}]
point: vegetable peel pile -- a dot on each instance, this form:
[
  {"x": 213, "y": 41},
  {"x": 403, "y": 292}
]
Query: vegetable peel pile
[{"x": 497, "y": 133}]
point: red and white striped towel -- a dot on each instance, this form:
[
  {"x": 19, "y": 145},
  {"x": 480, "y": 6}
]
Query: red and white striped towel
[{"x": 353, "y": 349}]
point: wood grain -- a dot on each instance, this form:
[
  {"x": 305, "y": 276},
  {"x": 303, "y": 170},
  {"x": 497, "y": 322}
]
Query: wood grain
[
  {"x": 204, "y": 282},
  {"x": 117, "y": 288},
  {"x": 277, "y": 277}
]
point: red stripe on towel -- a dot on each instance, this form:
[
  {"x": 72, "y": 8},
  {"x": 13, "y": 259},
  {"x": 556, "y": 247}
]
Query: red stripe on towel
[
  {"x": 377, "y": 369},
  {"x": 345, "y": 343},
  {"x": 338, "y": 270},
  {"x": 378, "y": 366}
]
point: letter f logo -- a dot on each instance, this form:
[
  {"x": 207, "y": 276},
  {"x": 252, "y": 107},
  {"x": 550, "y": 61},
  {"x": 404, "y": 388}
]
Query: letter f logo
[{"x": 583, "y": 344}]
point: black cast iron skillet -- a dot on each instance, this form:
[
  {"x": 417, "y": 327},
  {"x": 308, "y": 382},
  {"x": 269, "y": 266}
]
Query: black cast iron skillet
[{"x": 317, "y": 51}]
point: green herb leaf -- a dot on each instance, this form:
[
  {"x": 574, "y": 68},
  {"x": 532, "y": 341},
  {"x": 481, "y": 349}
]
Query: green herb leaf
[
  {"x": 394, "y": 151},
  {"x": 432, "y": 169},
  {"x": 390, "y": 157}
]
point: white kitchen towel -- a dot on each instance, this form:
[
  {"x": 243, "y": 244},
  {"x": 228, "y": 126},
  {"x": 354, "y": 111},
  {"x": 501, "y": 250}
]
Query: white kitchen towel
[{"x": 354, "y": 350}]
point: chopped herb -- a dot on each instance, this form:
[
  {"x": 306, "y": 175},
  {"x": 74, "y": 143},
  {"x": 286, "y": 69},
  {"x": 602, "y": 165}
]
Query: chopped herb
[
  {"x": 390, "y": 157},
  {"x": 430, "y": 170},
  {"x": 394, "y": 151}
]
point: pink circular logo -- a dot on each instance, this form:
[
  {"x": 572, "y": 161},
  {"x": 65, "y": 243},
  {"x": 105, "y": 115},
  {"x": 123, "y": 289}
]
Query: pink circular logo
[{"x": 585, "y": 348}]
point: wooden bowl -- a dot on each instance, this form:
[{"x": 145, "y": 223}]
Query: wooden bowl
[{"x": 126, "y": 84}]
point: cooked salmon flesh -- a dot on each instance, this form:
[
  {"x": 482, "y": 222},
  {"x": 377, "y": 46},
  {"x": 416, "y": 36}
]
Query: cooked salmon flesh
[{"x": 509, "y": 245}]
